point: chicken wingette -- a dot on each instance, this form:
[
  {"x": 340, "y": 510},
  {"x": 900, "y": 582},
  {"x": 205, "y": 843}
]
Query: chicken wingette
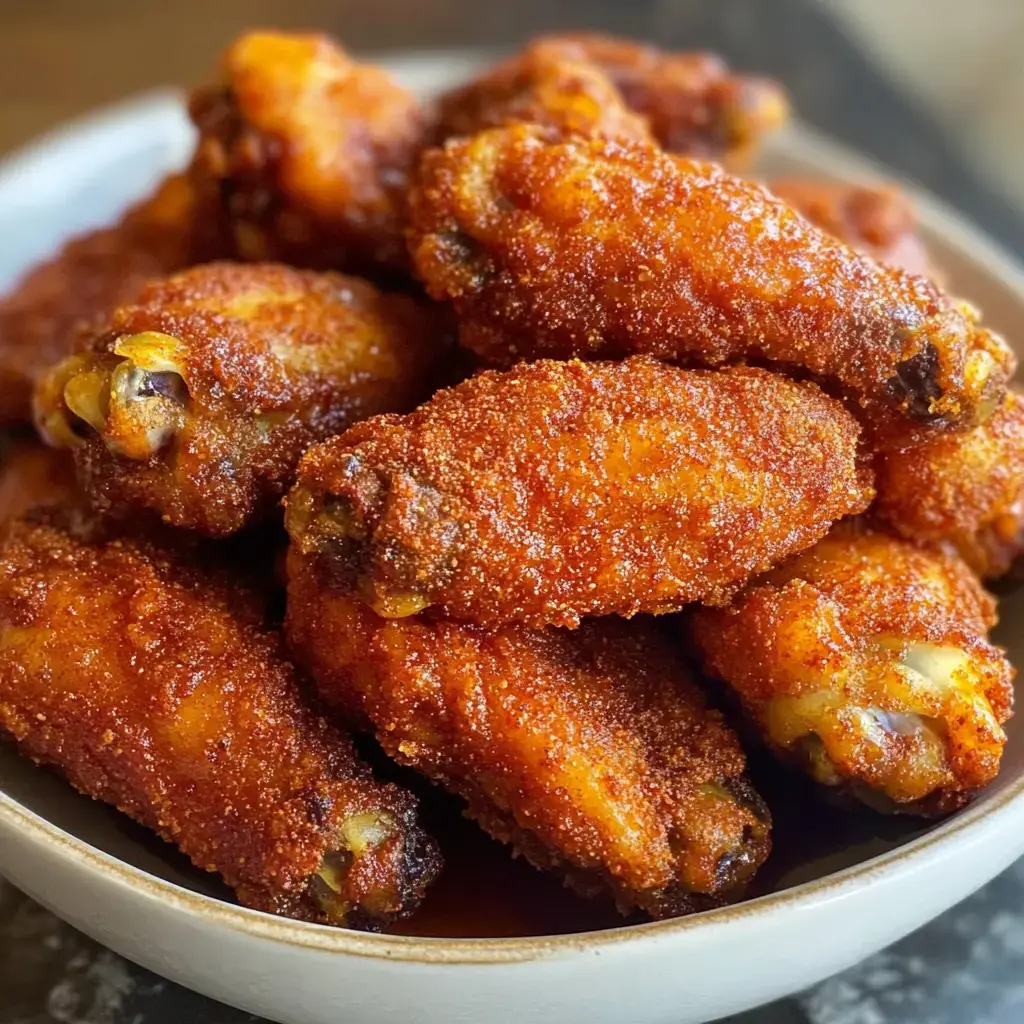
[
  {"x": 589, "y": 751},
  {"x": 146, "y": 680},
  {"x": 866, "y": 661},
  {"x": 197, "y": 400},
  {"x": 558, "y": 490}
]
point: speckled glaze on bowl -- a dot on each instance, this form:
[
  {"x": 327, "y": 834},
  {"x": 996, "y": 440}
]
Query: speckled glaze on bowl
[{"x": 87, "y": 865}]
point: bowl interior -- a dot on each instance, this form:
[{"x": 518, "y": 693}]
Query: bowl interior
[{"x": 483, "y": 892}]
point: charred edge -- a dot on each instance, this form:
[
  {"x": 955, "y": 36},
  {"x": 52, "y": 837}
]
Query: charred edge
[{"x": 915, "y": 386}]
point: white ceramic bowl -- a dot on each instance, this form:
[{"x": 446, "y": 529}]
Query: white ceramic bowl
[{"x": 89, "y": 866}]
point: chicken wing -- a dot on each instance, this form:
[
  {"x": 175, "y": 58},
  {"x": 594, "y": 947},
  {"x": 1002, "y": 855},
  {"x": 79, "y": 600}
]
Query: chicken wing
[
  {"x": 33, "y": 476},
  {"x": 574, "y": 97},
  {"x": 40, "y": 318},
  {"x": 593, "y": 247},
  {"x": 966, "y": 490},
  {"x": 558, "y": 490},
  {"x": 876, "y": 219},
  {"x": 692, "y": 102},
  {"x": 146, "y": 681},
  {"x": 866, "y": 661},
  {"x": 198, "y": 400},
  {"x": 590, "y": 751},
  {"x": 308, "y": 153}
]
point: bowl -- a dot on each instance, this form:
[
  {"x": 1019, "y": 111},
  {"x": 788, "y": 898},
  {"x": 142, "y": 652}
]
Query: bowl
[{"x": 849, "y": 886}]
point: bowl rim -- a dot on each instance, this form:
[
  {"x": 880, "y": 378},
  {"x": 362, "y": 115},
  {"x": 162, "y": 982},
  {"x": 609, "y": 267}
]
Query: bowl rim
[{"x": 987, "y": 817}]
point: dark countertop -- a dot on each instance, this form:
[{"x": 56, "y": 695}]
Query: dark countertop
[{"x": 965, "y": 967}]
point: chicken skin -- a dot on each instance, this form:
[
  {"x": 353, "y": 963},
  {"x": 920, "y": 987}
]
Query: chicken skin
[
  {"x": 308, "y": 153},
  {"x": 146, "y": 681},
  {"x": 600, "y": 248},
  {"x": 555, "y": 491},
  {"x": 590, "y": 751},
  {"x": 197, "y": 401},
  {"x": 866, "y": 661},
  {"x": 572, "y": 97},
  {"x": 692, "y": 103},
  {"x": 41, "y": 317},
  {"x": 965, "y": 490},
  {"x": 876, "y": 219}
]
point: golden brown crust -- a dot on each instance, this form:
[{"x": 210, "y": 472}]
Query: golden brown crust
[
  {"x": 33, "y": 476},
  {"x": 41, "y": 317},
  {"x": 147, "y": 683},
  {"x": 308, "y": 152},
  {"x": 693, "y": 103},
  {"x": 198, "y": 400},
  {"x": 876, "y": 219},
  {"x": 591, "y": 752},
  {"x": 964, "y": 489},
  {"x": 591, "y": 247},
  {"x": 867, "y": 660},
  {"x": 558, "y": 490},
  {"x": 573, "y": 97}
]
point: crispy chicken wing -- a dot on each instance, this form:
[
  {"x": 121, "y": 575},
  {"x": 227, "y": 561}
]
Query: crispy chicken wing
[
  {"x": 33, "y": 476},
  {"x": 964, "y": 489},
  {"x": 591, "y": 247},
  {"x": 146, "y": 681},
  {"x": 197, "y": 400},
  {"x": 692, "y": 102},
  {"x": 590, "y": 751},
  {"x": 866, "y": 660},
  {"x": 876, "y": 219},
  {"x": 40, "y": 318},
  {"x": 572, "y": 96},
  {"x": 308, "y": 153},
  {"x": 558, "y": 490}
]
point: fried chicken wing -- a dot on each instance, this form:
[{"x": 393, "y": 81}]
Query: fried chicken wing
[
  {"x": 33, "y": 476},
  {"x": 866, "y": 660},
  {"x": 590, "y": 751},
  {"x": 591, "y": 247},
  {"x": 966, "y": 490},
  {"x": 146, "y": 682},
  {"x": 558, "y": 490},
  {"x": 197, "y": 400},
  {"x": 40, "y": 318},
  {"x": 574, "y": 97},
  {"x": 876, "y": 219},
  {"x": 308, "y": 153},
  {"x": 693, "y": 103}
]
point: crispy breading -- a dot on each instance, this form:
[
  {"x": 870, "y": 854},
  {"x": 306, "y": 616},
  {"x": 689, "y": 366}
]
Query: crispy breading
[
  {"x": 308, "y": 153},
  {"x": 146, "y": 681},
  {"x": 693, "y": 103},
  {"x": 574, "y": 97},
  {"x": 41, "y": 317},
  {"x": 197, "y": 400},
  {"x": 590, "y": 751},
  {"x": 592, "y": 247},
  {"x": 557, "y": 490},
  {"x": 866, "y": 661},
  {"x": 877, "y": 219},
  {"x": 964, "y": 489},
  {"x": 33, "y": 476}
]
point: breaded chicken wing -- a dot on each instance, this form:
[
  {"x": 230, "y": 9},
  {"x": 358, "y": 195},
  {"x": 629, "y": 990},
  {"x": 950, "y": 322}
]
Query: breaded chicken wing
[
  {"x": 198, "y": 400},
  {"x": 33, "y": 476},
  {"x": 146, "y": 681},
  {"x": 966, "y": 490},
  {"x": 559, "y": 490},
  {"x": 591, "y": 247},
  {"x": 693, "y": 103},
  {"x": 590, "y": 751},
  {"x": 574, "y": 97},
  {"x": 40, "y": 318},
  {"x": 308, "y": 153},
  {"x": 866, "y": 660},
  {"x": 876, "y": 219}
]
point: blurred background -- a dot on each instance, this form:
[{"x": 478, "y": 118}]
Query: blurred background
[{"x": 932, "y": 87}]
